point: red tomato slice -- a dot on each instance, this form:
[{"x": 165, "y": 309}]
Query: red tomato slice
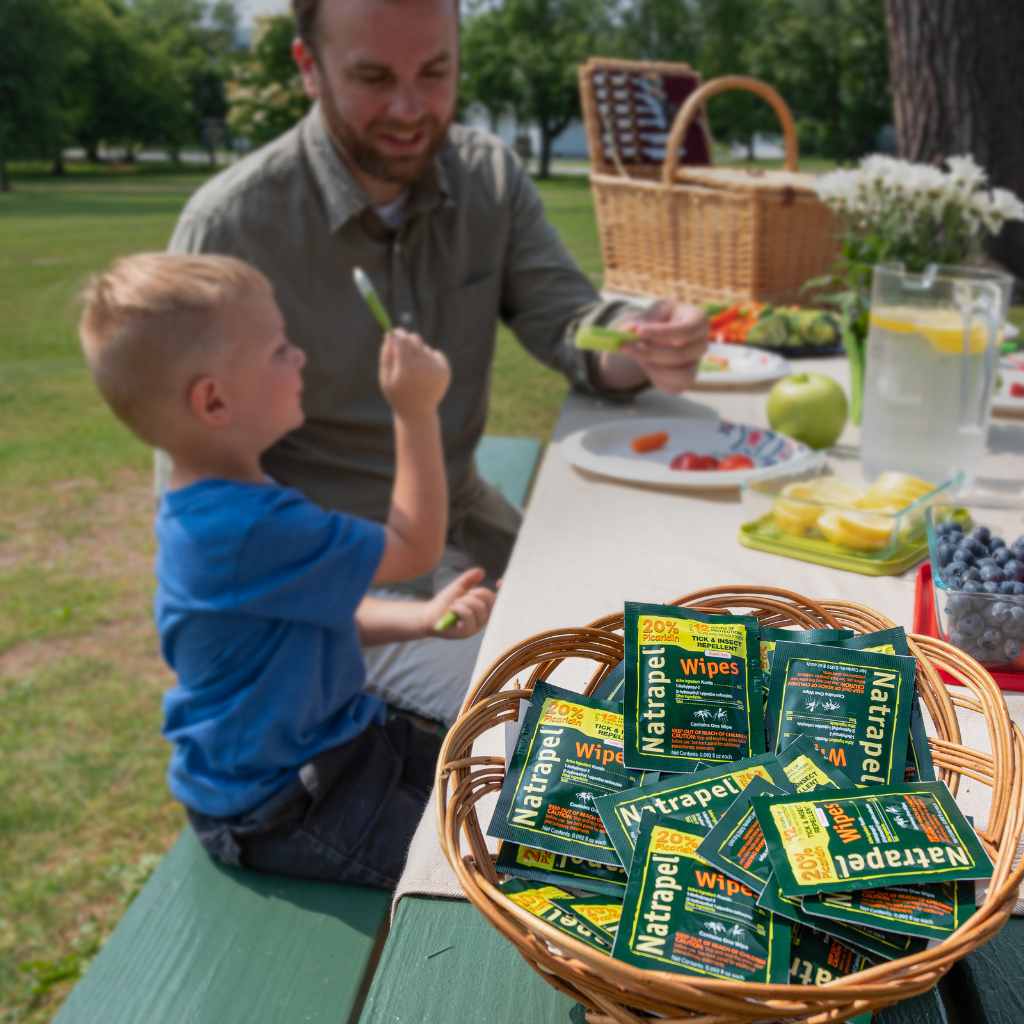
[{"x": 736, "y": 461}]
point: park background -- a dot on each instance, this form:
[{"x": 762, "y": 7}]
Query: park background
[{"x": 112, "y": 112}]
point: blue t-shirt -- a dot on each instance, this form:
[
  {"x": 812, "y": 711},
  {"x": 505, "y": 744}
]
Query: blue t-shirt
[{"x": 257, "y": 589}]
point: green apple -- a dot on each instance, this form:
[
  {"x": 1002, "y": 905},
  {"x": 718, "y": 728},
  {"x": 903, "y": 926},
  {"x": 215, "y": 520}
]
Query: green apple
[{"x": 808, "y": 407}]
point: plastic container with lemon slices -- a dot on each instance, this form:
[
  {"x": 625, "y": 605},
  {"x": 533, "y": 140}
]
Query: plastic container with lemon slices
[{"x": 877, "y": 529}]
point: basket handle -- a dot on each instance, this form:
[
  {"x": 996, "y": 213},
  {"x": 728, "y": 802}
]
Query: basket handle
[{"x": 691, "y": 108}]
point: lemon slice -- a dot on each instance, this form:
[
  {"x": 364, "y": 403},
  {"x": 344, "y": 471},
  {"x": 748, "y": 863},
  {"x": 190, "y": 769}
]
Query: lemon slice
[
  {"x": 826, "y": 490},
  {"x": 863, "y": 531},
  {"x": 894, "y": 491},
  {"x": 795, "y": 517},
  {"x": 942, "y": 328}
]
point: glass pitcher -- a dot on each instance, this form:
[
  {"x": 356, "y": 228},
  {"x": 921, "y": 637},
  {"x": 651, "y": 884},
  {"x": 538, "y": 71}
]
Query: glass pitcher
[{"x": 932, "y": 354}]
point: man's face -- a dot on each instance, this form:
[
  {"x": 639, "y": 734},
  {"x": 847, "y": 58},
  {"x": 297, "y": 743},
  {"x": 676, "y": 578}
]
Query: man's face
[{"x": 385, "y": 73}]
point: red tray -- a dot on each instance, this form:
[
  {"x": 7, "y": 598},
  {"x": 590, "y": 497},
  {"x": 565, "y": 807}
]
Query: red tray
[{"x": 924, "y": 622}]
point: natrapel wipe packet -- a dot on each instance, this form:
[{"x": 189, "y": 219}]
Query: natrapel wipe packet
[
  {"x": 929, "y": 911},
  {"x": 538, "y": 899},
  {"x": 611, "y": 687},
  {"x": 854, "y": 705},
  {"x": 679, "y": 913},
  {"x": 560, "y": 869},
  {"x": 698, "y": 797},
  {"x": 599, "y": 912},
  {"x": 889, "y": 835},
  {"x": 818, "y": 959},
  {"x": 770, "y": 636},
  {"x": 568, "y": 753},
  {"x": 872, "y": 942},
  {"x": 692, "y": 688}
]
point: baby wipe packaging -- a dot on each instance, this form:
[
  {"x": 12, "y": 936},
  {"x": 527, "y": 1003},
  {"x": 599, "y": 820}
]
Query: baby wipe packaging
[
  {"x": 681, "y": 914},
  {"x": 569, "y": 752},
  {"x": 692, "y": 688}
]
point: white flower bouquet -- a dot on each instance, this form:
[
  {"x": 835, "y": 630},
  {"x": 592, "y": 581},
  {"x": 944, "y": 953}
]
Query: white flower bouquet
[{"x": 896, "y": 211}]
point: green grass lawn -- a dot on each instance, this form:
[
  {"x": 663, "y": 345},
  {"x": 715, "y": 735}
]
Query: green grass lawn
[{"x": 86, "y": 814}]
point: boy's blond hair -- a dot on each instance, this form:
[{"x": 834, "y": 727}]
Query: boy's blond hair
[{"x": 147, "y": 323}]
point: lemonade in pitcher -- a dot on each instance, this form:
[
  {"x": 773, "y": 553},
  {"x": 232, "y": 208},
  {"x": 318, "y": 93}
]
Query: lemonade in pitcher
[{"x": 931, "y": 362}]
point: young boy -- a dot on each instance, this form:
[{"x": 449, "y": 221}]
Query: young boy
[{"x": 283, "y": 761}]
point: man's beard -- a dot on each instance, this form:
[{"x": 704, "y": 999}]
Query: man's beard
[{"x": 363, "y": 155}]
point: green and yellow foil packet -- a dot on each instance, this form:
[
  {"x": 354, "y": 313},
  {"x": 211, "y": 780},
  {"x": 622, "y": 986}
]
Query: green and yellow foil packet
[
  {"x": 692, "y": 688},
  {"x": 681, "y": 914},
  {"x": 699, "y": 797},
  {"x": 561, "y": 869},
  {"x": 539, "y": 899},
  {"x": 854, "y": 706},
  {"x": 568, "y": 754},
  {"x": 818, "y": 959},
  {"x": 872, "y": 942},
  {"x": 890, "y": 835},
  {"x": 599, "y": 912},
  {"x": 927, "y": 911}
]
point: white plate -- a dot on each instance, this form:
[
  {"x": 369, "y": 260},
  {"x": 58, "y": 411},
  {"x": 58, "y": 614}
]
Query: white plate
[
  {"x": 605, "y": 450},
  {"x": 740, "y": 364},
  {"x": 1004, "y": 402}
]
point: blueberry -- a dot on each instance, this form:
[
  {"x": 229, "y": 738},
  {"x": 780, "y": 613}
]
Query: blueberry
[
  {"x": 1011, "y": 649},
  {"x": 965, "y": 552},
  {"x": 971, "y": 624},
  {"x": 955, "y": 567},
  {"x": 972, "y": 574},
  {"x": 991, "y": 574},
  {"x": 980, "y": 533},
  {"x": 987, "y": 560},
  {"x": 995, "y": 543},
  {"x": 945, "y": 553},
  {"x": 1018, "y": 589},
  {"x": 998, "y": 612},
  {"x": 971, "y": 586},
  {"x": 990, "y": 587},
  {"x": 1014, "y": 626},
  {"x": 1006, "y": 587},
  {"x": 1002, "y": 556},
  {"x": 1013, "y": 569}
]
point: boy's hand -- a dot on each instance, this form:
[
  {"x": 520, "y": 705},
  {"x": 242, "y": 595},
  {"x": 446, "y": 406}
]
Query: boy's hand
[
  {"x": 470, "y": 602},
  {"x": 413, "y": 376}
]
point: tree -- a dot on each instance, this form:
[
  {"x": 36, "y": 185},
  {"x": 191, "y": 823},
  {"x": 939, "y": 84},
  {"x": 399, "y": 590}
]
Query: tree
[
  {"x": 33, "y": 48},
  {"x": 265, "y": 95},
  {"x": 530, "y": 51},
  {"x": 957, "y": 82}
]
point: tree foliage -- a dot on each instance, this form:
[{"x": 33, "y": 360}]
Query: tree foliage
[{"x": 266, "y": 95}]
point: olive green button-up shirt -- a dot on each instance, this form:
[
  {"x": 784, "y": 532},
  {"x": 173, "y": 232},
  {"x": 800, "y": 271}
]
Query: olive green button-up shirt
[{"x": 475, "y": 247}]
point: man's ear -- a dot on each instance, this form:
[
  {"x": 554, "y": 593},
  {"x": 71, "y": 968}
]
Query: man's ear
[
  {"x": 207, "y": 403},
  {"x": 305, "y": 61}
]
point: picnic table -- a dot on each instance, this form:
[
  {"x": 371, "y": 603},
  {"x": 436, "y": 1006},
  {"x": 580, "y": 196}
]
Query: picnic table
[{"x": 586, "y": 545}]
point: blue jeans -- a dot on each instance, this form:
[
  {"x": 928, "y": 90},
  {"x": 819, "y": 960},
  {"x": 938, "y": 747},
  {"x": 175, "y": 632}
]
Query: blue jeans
[{"x": 349, "y": 817}]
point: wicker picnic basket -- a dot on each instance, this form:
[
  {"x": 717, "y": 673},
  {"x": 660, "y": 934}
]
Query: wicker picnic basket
[
  {"x": 700, "y": 233},
  {"x": 613, "y": 991}
]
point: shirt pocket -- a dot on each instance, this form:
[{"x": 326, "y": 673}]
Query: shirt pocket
[{"x": 468, "y": 318}]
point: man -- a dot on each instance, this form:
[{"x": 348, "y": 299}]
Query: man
[{"x": 451, "y": 231}]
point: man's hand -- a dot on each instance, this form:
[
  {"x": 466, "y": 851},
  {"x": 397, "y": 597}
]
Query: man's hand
[
  {"x": 464, "y": 598},
  {"x": 671, "y": 337}
]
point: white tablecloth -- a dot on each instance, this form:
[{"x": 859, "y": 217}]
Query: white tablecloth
[{"x": 588, "y": 544}]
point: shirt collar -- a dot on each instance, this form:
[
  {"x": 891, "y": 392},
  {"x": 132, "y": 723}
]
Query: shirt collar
[{"x": 344, "y": 198}]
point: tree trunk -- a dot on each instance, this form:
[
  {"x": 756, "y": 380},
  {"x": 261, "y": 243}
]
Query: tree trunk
[
  {"x": 957, "y": 81},
  {"x": 5, "y": 182},
  {"x": 544, "y": 157},
  {"x": 57, "y": 170}
]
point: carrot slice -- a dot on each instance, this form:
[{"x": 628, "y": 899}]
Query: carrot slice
[{"x": 649, "y": 442}]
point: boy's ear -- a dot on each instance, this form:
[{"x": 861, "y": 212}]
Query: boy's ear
[{"x": 207, "y": 403}]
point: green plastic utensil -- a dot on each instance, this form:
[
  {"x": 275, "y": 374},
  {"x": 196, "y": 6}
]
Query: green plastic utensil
[{"x": 372, "y": 299}]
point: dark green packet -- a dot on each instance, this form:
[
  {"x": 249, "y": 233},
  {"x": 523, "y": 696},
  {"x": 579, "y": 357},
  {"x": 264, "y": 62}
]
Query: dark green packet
[
  {"x": 887, "y": 836},
  {"x": 680, "y": 914},
  {"x": 736, "y": 843},
  {"x": 611, "y": 687},
  {"x": 560, "y": 869},
  {"x": 569, "y": 751},
  {"x": 692, "y": 689},
  {"x": 598, "y": 912},
  {"x": 928, "y": 911},
  {"x": 853, "y": 705},
  {"x": 873, "y": 942},
  {"x": 538, "y": 899},
  {"x": 919, "y": 757},
  {"x": 698, "y": 797},
  {"x": 818, "y": 959}
]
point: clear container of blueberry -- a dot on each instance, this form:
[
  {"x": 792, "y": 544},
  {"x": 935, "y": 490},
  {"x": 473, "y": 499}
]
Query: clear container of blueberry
[{"x": 977, "y": 556}]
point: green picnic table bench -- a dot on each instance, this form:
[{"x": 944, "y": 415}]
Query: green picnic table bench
[{"x": 207, "y": 944}]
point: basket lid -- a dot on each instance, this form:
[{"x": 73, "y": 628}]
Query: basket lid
[{"x": 736, "y": 178}]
